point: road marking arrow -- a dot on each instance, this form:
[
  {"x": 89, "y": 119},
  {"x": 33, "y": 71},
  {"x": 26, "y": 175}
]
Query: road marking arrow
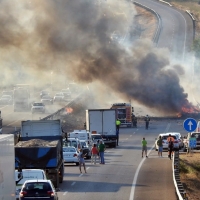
[{"x": 190, "y": 125}]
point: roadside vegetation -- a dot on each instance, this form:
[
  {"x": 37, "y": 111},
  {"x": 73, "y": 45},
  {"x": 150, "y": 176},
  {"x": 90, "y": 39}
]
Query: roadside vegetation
[{"x": 190, "y": 174}]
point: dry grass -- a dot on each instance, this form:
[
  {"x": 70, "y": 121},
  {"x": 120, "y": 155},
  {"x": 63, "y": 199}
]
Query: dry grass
[{"x": 190, "y": 174}]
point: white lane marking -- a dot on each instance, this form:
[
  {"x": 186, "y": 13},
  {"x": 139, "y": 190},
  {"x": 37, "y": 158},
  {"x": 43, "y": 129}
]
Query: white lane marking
[
  {"x": 80, "y": 175},
  {"x": 88, "y": 168},
  {"x": 65, "y": 193},
  {"x": 73, "y": 183},
  {"x": 13, "y": 122},
  {"x": 136, "y": 175}
]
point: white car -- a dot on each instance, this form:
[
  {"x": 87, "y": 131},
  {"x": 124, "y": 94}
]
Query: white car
[
  {"x": 70, "y": 155},
  {"x": 47, "y": 99},
  {"x": 28, "y": 174},
  {"x": 58, "y": 97},
  {"x": 165, "y": 142},
  {"x": 38, "y": 107},
  {"x": 6, "y": 100}
]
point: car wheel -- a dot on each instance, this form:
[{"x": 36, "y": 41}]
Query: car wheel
[{"x": 77, "y": 164}]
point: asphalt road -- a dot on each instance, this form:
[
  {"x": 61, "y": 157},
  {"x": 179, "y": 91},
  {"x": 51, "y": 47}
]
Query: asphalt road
[
  {"x": 126, "y": 175},
  {"x": 177, "y": 28}
]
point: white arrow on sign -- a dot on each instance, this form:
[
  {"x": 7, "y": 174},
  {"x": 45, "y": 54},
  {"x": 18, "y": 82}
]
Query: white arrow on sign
[{"x": 190, "y": 124}]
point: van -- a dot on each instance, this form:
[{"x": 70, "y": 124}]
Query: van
[
  {"x": 81, "y": 135},
  {"x": 28, "y": 174},
  {"x": 72, "y": 142}
]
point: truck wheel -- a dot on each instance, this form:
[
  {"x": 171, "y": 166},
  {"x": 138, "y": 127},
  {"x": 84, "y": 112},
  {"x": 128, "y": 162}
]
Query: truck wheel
[{"x": 56, "y": 184}]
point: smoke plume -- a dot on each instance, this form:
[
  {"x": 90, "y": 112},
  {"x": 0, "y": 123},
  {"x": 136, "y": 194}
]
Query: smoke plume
[{"x": 74, "y": 39}]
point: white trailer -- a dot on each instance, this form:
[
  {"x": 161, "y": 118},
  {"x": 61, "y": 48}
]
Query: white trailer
[
  {"x": 7, "y": 167},
  {"x": 102, "y": 121},
  {"x": 40, "y": 128}
]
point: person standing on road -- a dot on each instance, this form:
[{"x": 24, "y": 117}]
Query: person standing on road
[
  {"x": 102, "y": 148},
  {"x": 144, "y": 147},
  {"x": 117, "y": 134},
  {"x": 170, "y": 140},
  {"x": 147, "y": 120},
  {"x": 81, "y": 160},
  {"x": 95, "y": 153},
  {"x": 118, "y": 123},
  {"x": 160, "y": 146}
]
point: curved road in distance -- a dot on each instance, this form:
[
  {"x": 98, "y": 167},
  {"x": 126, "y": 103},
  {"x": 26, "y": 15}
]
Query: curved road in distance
[{"x": 177, "y": 28}]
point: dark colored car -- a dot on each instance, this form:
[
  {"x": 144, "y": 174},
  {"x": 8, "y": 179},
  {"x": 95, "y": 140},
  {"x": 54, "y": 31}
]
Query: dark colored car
[{"x": 38, "y": 189}]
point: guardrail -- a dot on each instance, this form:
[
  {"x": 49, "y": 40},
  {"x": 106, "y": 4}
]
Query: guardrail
[
  {"x": 176, "y": 178},
  {"x": 159, "y": 26},
  {"x": 57, "y": 114}
]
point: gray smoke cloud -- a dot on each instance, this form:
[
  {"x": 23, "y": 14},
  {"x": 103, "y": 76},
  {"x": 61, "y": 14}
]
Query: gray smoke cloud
[{"x": 73, "y": 39}]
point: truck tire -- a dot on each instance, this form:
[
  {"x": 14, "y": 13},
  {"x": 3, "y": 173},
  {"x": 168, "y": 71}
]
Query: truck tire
[{"x": 56, "y": 184}]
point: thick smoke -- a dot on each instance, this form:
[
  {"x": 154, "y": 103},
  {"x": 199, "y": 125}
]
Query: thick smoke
[{"x": 73, "y": 39}]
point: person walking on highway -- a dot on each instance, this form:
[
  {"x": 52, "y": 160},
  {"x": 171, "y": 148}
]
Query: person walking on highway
[
  {"x": 95, "y": 153},
  {"x": 144, "y": 147},
  {"x": 160, "y": 146},
  {"x": 118, "y": 123},
  {"x": 147, "y": 120},
  {"x": 117, "y": 134},
  {"x": 170, "y": 140},
  {"x": 102, "y": 148},
  {"x": 81, "y": 160}
]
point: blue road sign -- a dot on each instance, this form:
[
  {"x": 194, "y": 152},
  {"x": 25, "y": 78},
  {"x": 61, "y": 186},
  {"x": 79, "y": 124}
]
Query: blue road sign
[
  {"x": 190, "y": 124},
  {"x": 192, "y": 142}
]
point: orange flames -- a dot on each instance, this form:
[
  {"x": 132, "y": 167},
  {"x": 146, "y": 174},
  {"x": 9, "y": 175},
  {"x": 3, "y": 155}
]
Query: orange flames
[
  {"x": 191, "y": 110},
  {"x": 69, "y": 110}
]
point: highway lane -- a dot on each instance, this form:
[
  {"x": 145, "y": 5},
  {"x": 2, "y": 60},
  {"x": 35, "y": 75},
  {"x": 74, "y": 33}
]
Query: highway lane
[
  {"x": 114, "y": 180},
  {"x": 12, "y": 120},
  {"x": 177, "y": 28}
]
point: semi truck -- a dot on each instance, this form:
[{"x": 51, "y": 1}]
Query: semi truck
[
  {"x": 40, "y": 146},
  {"x": 21, "y": 99},
  {"x": 124, "y": 113},
  {"x": 7, "y": 167},
  {"x": 102, "y": 121}
]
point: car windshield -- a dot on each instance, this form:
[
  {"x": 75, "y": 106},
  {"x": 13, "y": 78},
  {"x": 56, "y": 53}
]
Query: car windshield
[
  {"x": 46, "y": 97},
  {"x": 38, "y": 186},
  {"x": 69, "y": 149},
  {"x": 196, "y": 135},
  {"x": 6, "y": 97},
  {"x": 96, "y": 137},
  {"x": 83, "y": 144},
  {"x": 166, "y": 136},
  {"x": 37, "y": 104},
  {"x": 69, "y": 143}
]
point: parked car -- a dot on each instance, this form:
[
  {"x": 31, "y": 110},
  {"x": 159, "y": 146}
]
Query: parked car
[
  {"x": 165, "y": 142},
  {"x": 180, "y": 140},
  {"x": 6, "y": 100},
  {"x": 67, "y": 93},
  {"x": 47, "y": 99},
  {"x": 8, "y": 92},
  {"x": 28, "y": 174},
  {"x": 38, "y": 189},
  {"x": 38, "y": 107},
  {"x": 86, "y": 149},
  {"x": 70, "y": 155},
  {"x": 72, "y": 142},
  {"x": 58, "y": 97},
  {"x": 43, "y": 93}
]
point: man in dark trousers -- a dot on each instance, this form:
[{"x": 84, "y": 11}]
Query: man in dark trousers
[{"x": 147, "y": 120}]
